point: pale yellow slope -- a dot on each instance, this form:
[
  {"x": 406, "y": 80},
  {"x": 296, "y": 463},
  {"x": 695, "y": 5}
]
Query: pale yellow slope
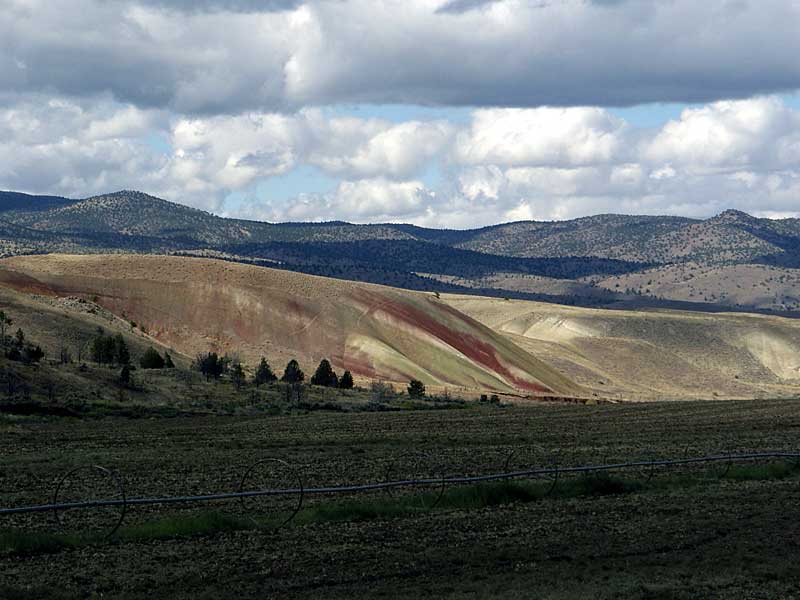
[{"x": 659, "y": 354}]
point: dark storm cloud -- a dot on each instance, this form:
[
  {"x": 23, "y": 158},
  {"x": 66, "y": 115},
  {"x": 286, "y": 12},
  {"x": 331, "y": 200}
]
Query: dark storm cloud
[
  {"x": 461, "y": 6},
  {"x": 231, "y": 56},
  {"x": 245, "y": 6}
]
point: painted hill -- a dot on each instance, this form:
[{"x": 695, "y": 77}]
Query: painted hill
[{"x": 196, "y": 305}]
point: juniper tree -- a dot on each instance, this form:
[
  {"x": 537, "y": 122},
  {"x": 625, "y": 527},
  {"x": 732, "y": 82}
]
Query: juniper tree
[
  {"x": 325, "y": 375},
  {"x": 237, "y": 375},
  {"x": 264, "y": 373},
  {"x": 416, "y": 389},
  {"x": 122, "y": 355},
  {"x": 292, "y": 373},
  {"x": 210, "y": 365},
  {"x": 346, "y": 381}
]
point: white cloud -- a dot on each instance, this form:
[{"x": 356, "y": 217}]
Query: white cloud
[
  {"x": 542, "y": 137},
  {"x": 501, "y": 165},
  {"x": 730, "y": 134},
  {"x": 229, "y": 153},
  {"x": 366, "y": 200},
  {"x": 61, "y": 146},
  {"x": 357, "y": 148}
]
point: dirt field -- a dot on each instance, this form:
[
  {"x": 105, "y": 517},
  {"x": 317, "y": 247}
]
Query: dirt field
[{"x": 684, "y": 534}]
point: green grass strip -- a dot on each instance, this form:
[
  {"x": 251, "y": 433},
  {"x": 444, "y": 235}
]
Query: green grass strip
[{"x": 467, "y": 497}]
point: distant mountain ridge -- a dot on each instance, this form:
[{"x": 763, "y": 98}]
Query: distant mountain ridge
[{"x": 602, "y": 256}]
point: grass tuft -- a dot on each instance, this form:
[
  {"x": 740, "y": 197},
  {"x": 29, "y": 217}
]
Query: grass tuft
[
  {"x": 13, "y": 541},
  {"x": 204, "y": 523}
]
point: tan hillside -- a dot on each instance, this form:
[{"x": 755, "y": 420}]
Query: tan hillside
[
  {"x": 658, "y": 354},
  {"x": 197, "y": 305},
  {"x": 758, "y": 286}
]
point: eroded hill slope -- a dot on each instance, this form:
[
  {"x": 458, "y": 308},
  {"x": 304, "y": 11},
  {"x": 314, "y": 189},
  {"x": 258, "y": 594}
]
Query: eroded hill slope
[
  {"x": 652, "y": 354},
  {"x": 196, "y": 305}
]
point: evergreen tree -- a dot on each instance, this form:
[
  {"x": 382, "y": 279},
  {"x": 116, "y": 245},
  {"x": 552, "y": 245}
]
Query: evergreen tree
[
  {"x": 122, "y": 355},
  {"x": 103, "y": 348},
  {"x": 32, "y": 354},
  {"x": 209, "y": 364},
  {"x": 264, "y": 373},
  {"x": 346, "y": 382},
  {"x": 19, "y": 338},
  {"x": 151, "y": 359},
  {"x": 237, "y": 375},
  {"x": 292, "y": 373},
  {"x": 325, "y": 375},
  {"x": 416, "y": 389},
  {"x": 168, "y": 364},
  {"x": 125, "y": 375}
]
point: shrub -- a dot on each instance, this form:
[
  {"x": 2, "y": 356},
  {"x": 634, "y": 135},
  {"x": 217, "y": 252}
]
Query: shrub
[
  {"x": 65, "y": 356},
  {"x": 168, "y": 364},
  {"x": 5, "y": 322},
  {"x": 32, "y": 354},
  {"x": 109, "y": 349},
  {"x": 210, "y": 365},
  {"x": 380, "y": 391},
  {"x": 121, "y": 354},
  {"x": 151, "y": 359},
  {"x": 237, "y": 375},
  {"x": 416, "y": 389}
]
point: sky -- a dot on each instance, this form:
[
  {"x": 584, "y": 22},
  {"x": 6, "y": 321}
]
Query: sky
[{"x": 442, "y": 113}]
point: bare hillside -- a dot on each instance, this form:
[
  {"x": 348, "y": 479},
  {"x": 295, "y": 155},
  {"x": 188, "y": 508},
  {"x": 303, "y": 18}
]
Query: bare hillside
[
  {"x": 197, "y": 305},
  {"x": 744, "y": 285},
  {"x": 652, "y": 354}
]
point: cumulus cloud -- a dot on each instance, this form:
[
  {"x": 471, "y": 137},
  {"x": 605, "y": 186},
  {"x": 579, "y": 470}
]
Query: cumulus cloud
[
  {"x": 541, "y": 136},
  {"x": 224, "y": 154},
  {"x": 356, "y": 148},
  {"x": 234, "y": 56},
  {"x": 61, "y": 147},
  {"x": 762, "y": 131},
  {"x": 366, "y": 200},
  {"x": 503, "y": 164},
  {"x": 741, "y": 154}
]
